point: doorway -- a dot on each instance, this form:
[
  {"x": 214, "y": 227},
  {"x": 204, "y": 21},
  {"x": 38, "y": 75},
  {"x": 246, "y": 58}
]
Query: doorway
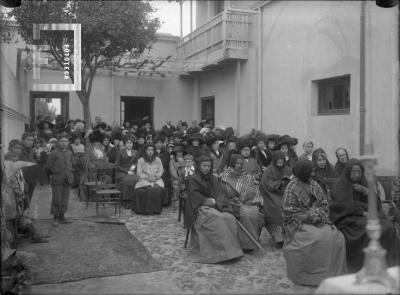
[
  {"x": 48, "y": 105},
  {"x": 137, "y": 108}
]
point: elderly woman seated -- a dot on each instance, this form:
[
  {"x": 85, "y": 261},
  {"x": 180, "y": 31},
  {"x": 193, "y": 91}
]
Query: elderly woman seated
[
  {"x": 150, "y": 187},
  {"x": 314, "y": 249},
  {"x": 126, "y": 166},
  {"x": 349, "y": 213},
  {"x": 212, "y": 218},
  {"x": 244, "y": 196}
]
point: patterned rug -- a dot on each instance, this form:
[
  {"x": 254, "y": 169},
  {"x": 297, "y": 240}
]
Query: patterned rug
[
  {"x": 86, "y": 249},
  {"x": 258, "y": 273}
]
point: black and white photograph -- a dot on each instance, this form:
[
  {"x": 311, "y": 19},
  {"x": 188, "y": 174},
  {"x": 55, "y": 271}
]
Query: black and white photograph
[{"x": 200, "y": 147}]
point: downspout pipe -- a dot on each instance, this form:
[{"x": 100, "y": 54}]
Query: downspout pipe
[
  {"x": 363, "y": 109},
  {"x": 259, "y": 72}
]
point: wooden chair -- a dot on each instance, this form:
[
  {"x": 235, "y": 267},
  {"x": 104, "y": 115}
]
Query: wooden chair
[
  {"x": 106, "y": 192},
  {"x": 386, "y": 182}
]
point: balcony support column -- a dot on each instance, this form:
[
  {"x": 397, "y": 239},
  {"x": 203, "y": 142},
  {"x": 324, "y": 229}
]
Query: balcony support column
[
  {"x": 237, "y": 96},
  {"x": 195, "y": 97}
]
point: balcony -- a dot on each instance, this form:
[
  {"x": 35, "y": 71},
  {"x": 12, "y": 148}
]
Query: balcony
[{"x": 223, "y": 38}]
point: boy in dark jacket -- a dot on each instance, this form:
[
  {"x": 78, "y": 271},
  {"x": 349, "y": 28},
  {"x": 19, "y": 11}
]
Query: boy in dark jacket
[{"x": 60, "y": 166}]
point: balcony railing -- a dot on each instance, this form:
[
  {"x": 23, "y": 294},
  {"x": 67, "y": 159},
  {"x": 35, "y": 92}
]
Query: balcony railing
[{"x": 226, "y": 36}]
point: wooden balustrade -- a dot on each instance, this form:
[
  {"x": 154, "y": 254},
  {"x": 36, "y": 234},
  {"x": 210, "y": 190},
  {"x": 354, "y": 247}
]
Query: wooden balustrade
[{"x": 212, "y": 41}]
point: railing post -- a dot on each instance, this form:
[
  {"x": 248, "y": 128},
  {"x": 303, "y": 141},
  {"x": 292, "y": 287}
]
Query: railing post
[{"x": 224, "y": 30}]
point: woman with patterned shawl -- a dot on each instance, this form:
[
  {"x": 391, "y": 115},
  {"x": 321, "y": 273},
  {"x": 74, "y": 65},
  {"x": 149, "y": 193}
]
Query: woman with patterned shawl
[
  {"x": 314, "y": 249},
  {"x": 245, "y": 197},
  {"x": 212, "y": 217},
  {"x": 272, "y": 186},
  {"x": 348, "y": 211}
]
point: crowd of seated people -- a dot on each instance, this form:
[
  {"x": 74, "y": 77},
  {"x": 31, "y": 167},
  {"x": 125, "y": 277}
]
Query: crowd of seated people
[{"x": 229, "y": 187}]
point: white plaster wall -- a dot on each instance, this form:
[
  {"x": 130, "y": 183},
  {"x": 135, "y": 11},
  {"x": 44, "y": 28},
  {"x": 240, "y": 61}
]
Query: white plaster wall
[
  {"x": 302, "y": 42},
  {"x": 221, "y": 84}
]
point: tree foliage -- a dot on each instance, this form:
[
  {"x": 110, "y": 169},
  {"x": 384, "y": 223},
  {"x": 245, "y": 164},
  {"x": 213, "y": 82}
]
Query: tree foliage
[{"x": 113, "y": 34}]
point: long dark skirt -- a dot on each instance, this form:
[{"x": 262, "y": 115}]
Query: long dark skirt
[
  {"x": 148, "y": 200},
  {"x": 126, "y": 184}
]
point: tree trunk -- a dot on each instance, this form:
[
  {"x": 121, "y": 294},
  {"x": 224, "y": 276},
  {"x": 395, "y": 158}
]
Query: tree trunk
[
  {"x": 84, "y": 98},
  {"x": 86, "y": 115}
]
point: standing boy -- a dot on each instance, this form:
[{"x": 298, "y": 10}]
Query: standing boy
[{"x": 60, "y": 166}]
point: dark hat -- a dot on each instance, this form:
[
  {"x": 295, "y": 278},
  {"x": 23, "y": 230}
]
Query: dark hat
[
  {"x": 293, "y": 141},
  {"x": 203, "y": 158},
  {"x": 141, "y": 134},
  {"x": 244, "y": 142},
  {"x": 272, "y": 137},
  {"x": 210, "y": 138},
  {"x": 232, "y": 139},
  {"x": 283, "y": 140},
  {"x": 178, "y": 148},
  {"x": 96, "y": 136},
  {"x": 260, "y": 137},
  {"x": 116, "y": 135},
  {"x": 159, "y": 137},
  {"x": 227, "y": 133},
  {"x": 41, "y": 123},
  {"x": 202, "y": 123},
  {"x": 101, "y": 125},
  {"x": 196, "y": 136}
]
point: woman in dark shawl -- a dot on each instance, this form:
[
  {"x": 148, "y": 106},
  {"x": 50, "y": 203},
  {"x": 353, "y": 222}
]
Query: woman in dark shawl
[
  {"x": 207, "y": 210},
  {"x": 348, "y": 211},
  {"x": 272, "y": 186},
  {"x": 323, "y": 169},
  {"x": 314, "y": 249},
  {"x": 126, "y": 167},
  {"x": 244, "y": 194},
  {"x": 342, "y": 158}
]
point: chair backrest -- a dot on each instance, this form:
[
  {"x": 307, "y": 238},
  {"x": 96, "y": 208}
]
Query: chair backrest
[
  {"x": 386, "y": 182},
  {"x": 103, "y": 173}
]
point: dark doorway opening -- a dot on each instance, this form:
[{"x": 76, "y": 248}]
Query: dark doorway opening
[
  {"x": 48, "y": 105},
  {"x": 137, "y": 108}
]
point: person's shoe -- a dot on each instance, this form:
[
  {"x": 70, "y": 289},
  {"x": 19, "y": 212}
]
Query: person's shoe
[
  {"x": 39, "y": 239},
  {"x": 65, "y": 221},
  {"x": 55, "y": 222}
]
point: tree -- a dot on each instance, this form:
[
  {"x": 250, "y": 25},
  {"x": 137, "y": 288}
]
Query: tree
[{"x": 113, "y": 35}]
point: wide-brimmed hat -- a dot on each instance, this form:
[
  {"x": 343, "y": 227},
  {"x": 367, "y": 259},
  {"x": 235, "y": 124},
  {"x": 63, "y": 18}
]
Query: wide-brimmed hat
[
  {"x": 272, "y": 137},
  {"x": 244, "y": 142},
  {"x": 284, "y": 140},
  {"x": 227, "y": 133},
  {"x": 41, "y": 123},
  {"x": 195, "y": 136},
  {"x": 178, "y": 148}
]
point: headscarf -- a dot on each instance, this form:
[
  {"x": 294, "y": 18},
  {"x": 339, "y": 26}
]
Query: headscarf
[
  {"x": 201, "y": 159},
  {"x": 303, "y": 169},
  {"x": 276, "y": 155},
  {"x": 339, "y": 166},
  {"x": 328, "y": 170},
  {"x": 343, "y": 191},
  {"x": 233, "y": 159}
]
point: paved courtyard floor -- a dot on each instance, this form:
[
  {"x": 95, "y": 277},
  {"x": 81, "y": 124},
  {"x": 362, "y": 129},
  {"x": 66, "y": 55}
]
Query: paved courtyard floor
[{"x": 163, "y": 236}]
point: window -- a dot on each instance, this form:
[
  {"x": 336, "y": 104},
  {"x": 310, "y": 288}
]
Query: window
[
  {"x": 48, "y": 105},
  {"x": 334, "y": 96},
  {"x": 208, "y": 108}
]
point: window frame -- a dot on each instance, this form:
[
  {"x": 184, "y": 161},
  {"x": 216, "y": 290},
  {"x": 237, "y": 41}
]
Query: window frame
[{"x": 344, "y": 80}]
